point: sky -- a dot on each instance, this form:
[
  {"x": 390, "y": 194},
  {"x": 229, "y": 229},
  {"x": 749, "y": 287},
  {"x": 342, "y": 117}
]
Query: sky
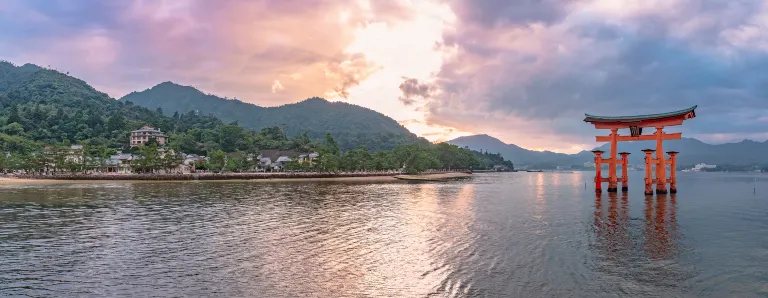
[{"x": 524, "y": 71}]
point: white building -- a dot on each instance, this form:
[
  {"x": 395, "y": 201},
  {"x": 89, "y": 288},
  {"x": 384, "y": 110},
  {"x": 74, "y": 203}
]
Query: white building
[
  {"x": 702, "y": 166},
  {"x": 144, "y": 134}
]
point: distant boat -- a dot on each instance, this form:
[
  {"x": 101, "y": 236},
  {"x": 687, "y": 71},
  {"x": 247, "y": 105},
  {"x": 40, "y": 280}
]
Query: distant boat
[{"x": 534, "y": 171}]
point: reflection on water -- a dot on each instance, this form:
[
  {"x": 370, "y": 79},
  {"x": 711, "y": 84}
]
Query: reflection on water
[{"x": 497, "y": 235}]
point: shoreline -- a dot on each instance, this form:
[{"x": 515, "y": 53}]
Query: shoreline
[{"x": 250, "y": 177}]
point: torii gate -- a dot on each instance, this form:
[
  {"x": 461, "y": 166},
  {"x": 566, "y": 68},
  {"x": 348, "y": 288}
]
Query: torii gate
[{"x": 635, "y": 125}]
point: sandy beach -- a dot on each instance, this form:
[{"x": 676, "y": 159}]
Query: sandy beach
[{"x": 12, "y": 181}]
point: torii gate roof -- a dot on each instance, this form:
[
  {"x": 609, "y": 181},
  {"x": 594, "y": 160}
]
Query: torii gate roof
[{"x": 685, "y": 113}]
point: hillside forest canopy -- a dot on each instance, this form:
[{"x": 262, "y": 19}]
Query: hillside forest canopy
[{"x": 42, "y": 107}]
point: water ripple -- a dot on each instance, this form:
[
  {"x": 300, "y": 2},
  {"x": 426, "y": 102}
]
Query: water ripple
[{"x": 498, "y": 235}]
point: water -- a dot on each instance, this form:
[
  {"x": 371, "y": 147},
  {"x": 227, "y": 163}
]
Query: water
[{"x": 498, "y": 235}]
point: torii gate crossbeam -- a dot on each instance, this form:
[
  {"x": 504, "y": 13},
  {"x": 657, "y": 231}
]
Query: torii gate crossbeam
[{"x": 636, "y": 124}]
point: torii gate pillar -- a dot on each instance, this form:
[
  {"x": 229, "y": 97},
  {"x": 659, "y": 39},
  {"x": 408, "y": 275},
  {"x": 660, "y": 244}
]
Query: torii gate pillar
[{"x": 635, "y": 124}]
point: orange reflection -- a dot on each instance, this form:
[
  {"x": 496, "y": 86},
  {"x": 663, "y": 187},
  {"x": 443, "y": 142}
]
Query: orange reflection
[
  {"x": 658, "y": 227},
  {"x": 541, "y": 204},
  {"x": 613, "y": 227}
]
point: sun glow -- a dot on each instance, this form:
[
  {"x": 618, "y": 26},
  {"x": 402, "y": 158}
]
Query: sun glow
[{"x": 400, "y": 49}]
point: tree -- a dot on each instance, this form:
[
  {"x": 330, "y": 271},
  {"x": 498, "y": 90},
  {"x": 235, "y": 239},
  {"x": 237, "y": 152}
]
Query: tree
[
  {"x": 152, "y": 142},
  {"x": 14, "y": 116},
  {"x": 217, "y": 160},
  {"x": 236, "y": 163},
  {"x": 148, "y": 159},
  {"x": 357, "y": 159},
  {"x": 416, "y": 158},
  {"x": 232, "y": 138},
  {"x": 116, "y": 122},
  {"x": 303, "y": 142},
  {"x": 3, "y": 162},
  {"x": 184, "y": 143},
  {"x": 330, "y": 145},
  {"x": 170, "y": 160},
  {"x": 13, "y": 129},
  {"x": 328, "y": 162}
]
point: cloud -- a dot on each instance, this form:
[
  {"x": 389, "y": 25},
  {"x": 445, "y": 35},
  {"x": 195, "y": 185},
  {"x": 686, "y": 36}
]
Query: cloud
[
  {"x": 234, "y": 47},
  {"x": 491, "y": 13},
  {"x": 413, "y": 89},
  {"x": 535, "y": 74}
]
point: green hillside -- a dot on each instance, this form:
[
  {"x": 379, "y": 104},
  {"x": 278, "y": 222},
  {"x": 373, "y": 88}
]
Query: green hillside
[
  {"x": 42, "y": 106},
  {"x": 351, "y": 125}
]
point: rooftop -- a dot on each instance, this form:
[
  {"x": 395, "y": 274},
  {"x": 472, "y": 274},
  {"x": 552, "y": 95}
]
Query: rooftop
[
  {"x": 636, "y": 118},
  {"x": 147, "y": 128}
]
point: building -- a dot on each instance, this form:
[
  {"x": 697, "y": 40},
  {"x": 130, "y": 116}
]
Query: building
[
  {"x": 120, "y": 163},
  {"x": 702, "y": 166},
  {"x": 307, "y": 157},
  {"x": 141, "y": 136},
  {"x": 275, "y": 160}
]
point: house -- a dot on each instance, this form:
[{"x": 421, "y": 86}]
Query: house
[
  {"x": 120, "y": 163},
  {"x": 307, "y": 157},
  {"x": 265, "y": 163},
  {"x": 190, "y": 162},
  {"x": 65, "y": 156},
  {"x": 280, "y": 162},
  {"x": 143, "y": 135},
  {"x": 275, "y": 160},
  {"x": 192, "y": 159}
]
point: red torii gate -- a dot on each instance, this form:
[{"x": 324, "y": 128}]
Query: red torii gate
[{"x": 635, "y": 125}]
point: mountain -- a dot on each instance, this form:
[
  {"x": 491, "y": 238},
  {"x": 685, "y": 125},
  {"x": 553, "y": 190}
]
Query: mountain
[
  {"x": 11, "y": 74},
  {"x": 351, "y": 125},
  {"x": 40, "y": 106},
  {"x": 514, "y": 153},
  {"x": 692, "y": 151}
]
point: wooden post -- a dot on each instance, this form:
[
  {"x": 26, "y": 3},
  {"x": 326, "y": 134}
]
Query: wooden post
[
  {"x": 672, "y": 171},
  {"x": 598, "y": 170},
  {"x": 612, "y": 180},
  {"x": 661, "y": 165},
  {"x": 624, "y": 164},
  {"x": 648, "y": 169}
]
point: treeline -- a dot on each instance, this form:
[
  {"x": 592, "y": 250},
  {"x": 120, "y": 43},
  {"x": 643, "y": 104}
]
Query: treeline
[
  {"x": 40, "y": 107},
  {"x": 735, "y": 168},
  {"x": 413, "y": 158}
]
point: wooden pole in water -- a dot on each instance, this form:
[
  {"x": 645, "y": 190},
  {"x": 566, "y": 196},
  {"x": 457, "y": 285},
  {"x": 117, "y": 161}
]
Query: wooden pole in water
[
  {"x": 612, "y": 180},
  {"x": 661, "y": 165},
  {"x": 598, "y": 170},
  {"x": 624, "y": 177},
  {"x": 672, "y": 171},
  {"x": 648, "y": 169}
]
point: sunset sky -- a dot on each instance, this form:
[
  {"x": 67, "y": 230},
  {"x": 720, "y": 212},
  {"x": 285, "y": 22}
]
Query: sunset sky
[{"x": 523, "y": 71}]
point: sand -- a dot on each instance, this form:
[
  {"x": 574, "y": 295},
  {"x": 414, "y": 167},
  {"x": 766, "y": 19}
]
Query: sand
[
  {"x": 433, "y": 177},
  {"x": 14, "y": 181}
]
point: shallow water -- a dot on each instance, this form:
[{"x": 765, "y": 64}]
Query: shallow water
[{"x": 496, "y": 235}]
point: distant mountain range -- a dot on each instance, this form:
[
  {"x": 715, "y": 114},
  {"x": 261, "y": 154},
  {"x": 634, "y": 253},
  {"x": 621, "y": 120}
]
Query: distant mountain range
[
  {"x": 692, "y": 151},
  {"x": 350, "y": 124}
]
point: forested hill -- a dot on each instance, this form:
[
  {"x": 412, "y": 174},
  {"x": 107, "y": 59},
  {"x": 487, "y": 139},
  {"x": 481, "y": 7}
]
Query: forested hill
[
  {"x": 40, "y": 106},
  {"x": 351, "y": 125}
]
